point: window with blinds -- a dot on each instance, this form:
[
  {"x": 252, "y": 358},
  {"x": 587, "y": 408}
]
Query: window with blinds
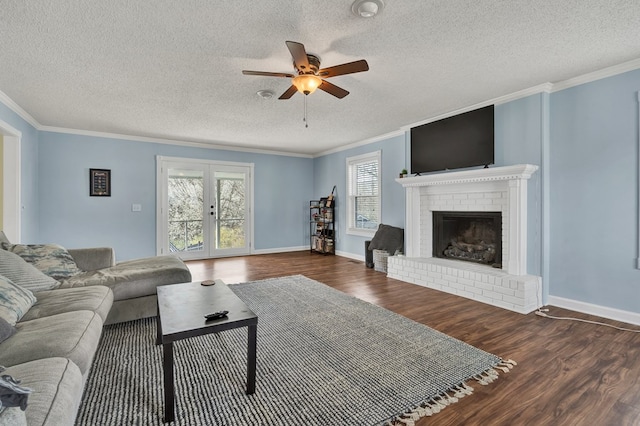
[{"x": 363, "y": 187}]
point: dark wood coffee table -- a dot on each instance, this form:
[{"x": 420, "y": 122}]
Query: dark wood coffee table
[{"x": 181, "y": 310}]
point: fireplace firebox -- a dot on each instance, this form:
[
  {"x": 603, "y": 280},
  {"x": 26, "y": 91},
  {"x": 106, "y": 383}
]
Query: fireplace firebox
[{"x": 468, "y": 236}]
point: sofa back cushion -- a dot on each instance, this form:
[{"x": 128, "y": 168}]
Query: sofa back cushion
[
  {"x": 50, "y": 259},
  {"x": 23, "y": 274},
  {"x": 15, "y": 301}
]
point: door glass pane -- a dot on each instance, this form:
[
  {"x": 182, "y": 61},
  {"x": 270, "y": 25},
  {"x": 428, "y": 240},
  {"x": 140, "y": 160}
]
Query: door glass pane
[
  {"x": 186, "y": 204},
  {"x": 230, "y": 224}
]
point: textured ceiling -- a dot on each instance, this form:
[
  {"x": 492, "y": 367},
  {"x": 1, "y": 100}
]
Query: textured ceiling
[{"x": 172, "y": 69}]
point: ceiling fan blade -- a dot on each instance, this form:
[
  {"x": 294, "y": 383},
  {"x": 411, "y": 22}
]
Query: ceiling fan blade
[
  {"x": 332, "y": 89},
  {"x": 299, "y": 55},
  {"x": 267, "y": 74},
  {"x": 289, "y": 93},
  {"x": 349, "y": 68}
]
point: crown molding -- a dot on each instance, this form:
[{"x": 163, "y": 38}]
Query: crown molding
[
  {"x": 9, "y": 103},
  {"x": 541, "y": 88},
  {"x": 597, "y": 75},
  {"x": 193, "y": 144},
  {"x": 361, "y": 143}
]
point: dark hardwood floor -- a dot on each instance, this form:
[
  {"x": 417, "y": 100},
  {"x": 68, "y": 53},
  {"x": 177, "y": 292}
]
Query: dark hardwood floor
[{"x": 568, "y": 373}]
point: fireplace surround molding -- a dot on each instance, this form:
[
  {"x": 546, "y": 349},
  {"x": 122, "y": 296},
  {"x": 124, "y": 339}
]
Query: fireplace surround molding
[
  {"x": 464, "y": 186},
  {"x": 498, "y": 189}
]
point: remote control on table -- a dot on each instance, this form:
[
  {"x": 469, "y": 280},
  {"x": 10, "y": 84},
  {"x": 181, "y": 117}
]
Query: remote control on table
[{"x": 216, "y": 315}]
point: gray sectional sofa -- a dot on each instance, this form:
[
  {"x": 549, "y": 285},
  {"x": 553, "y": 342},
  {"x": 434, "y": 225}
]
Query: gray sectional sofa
[
  {"x": 133, "y": 282},
  {"x": 50, "y": 327},
  {"x": 52, "y": 349}
]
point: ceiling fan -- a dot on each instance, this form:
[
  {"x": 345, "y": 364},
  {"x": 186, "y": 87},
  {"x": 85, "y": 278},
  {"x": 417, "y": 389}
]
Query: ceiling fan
[{"x": 310, "y": 76}]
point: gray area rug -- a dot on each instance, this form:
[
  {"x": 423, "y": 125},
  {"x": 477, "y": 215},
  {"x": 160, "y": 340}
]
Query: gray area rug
[{"x": 324, "y": 358}]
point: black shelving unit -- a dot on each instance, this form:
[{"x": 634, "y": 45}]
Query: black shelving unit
[{"x": 322, "y": 216}]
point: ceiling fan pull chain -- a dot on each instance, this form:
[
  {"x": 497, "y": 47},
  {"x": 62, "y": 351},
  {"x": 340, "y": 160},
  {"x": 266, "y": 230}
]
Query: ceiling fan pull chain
[{"x": 306, "y": 123}]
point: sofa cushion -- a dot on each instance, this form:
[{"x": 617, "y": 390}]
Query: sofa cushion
[
  {"x": 15, "y": 301},
  {"x": 57, "y": 390},
  {"x": 134, "y": 278},
  {"x": 23, "y": 274},
  {"x": 72, "y": 335},
  {"x": 52, "y": 302},
  {"x": 92, "y": 258},
  {"x": 51, "y": 259},
  {"x": 6, "y": 330}
]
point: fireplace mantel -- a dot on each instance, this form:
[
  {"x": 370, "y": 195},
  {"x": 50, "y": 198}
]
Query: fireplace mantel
[{"x": 519, "y": 171}]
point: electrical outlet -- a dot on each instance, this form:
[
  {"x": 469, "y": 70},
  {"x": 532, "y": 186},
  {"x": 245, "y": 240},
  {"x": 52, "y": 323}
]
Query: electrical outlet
[{"x": 136, "y": 207}]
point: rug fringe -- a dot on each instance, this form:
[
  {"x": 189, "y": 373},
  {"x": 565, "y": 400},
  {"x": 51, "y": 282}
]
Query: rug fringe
[{"x": 451, "y": 396}]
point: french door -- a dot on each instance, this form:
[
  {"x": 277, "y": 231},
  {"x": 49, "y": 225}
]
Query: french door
[{"x": 204, "y": 208}]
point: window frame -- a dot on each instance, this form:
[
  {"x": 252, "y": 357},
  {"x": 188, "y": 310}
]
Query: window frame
[{"x": 351, "y": 162}]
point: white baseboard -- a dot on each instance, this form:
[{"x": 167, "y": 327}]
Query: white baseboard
[
  {"x": 280, "y": 250},
  {"x": 350, "y": 255},
  {"x": 303, "y": 248},
  {"x": 591, "y": 309}
]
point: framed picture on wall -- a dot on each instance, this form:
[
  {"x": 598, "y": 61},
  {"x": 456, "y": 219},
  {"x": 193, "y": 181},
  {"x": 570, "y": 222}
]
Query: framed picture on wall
[{"x": 100, "y": 183}]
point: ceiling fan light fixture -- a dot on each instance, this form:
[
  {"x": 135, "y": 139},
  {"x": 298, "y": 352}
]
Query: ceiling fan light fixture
[
  {"x": 367, "y": 8},
  {"x": 306, "y": 83}
]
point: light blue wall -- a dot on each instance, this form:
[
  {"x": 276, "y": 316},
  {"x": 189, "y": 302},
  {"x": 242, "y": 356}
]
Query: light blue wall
[
  {"x": 519, "y": 139},
  {"x": 71, "y": 217},
  {"x": 330, "y": 170},
  {"x": 28, "y": 174},
  {"x": 283, "y": 187},
  {"x": 594, "y": 193}
]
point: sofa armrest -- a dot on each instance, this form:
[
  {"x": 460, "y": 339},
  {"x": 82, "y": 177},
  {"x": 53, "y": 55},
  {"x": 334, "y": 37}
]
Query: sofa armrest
[{"x": 91, "y": 259}]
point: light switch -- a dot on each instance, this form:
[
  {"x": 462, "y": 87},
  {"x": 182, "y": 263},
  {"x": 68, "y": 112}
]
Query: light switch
[{"x": 136, "y": 207}]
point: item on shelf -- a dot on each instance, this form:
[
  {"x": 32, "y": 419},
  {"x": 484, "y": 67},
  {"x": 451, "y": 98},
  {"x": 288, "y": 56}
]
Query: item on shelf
[{"x": 330, "y": 199}]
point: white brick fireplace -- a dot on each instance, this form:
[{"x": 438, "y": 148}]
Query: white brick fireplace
[{"x": 498, "y": 189}]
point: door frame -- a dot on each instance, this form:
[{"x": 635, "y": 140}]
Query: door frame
[{"x": 161, "y": 199}]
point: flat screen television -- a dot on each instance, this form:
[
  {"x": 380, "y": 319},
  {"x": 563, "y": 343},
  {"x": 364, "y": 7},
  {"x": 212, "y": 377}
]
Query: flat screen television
[{"x": 464, "y": 140}]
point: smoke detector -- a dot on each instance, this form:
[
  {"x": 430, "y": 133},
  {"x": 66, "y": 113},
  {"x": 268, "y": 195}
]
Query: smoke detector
[
  {"x": 265, "y": 94},
  {"x": 367, "y": 8}
]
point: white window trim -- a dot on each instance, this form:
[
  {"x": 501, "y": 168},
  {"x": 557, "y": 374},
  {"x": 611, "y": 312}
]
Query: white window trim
[{"x": 351, "y": 229}]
